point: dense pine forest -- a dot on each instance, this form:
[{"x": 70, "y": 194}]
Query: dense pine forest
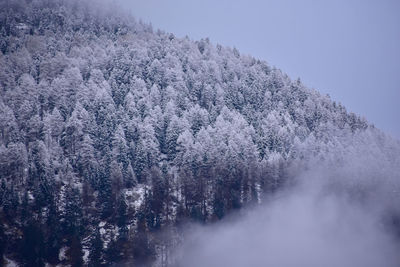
[{"x": 113, "y": 136}]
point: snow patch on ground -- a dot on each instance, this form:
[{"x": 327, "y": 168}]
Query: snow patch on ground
[
  {"x": 85, "y": 255},
  {"x": 61, "y": 254},
  {"x": 22, "y": 26},
  {"x": 10, "y": 263},
  {"x": 30, "y": 196},
  {"x": 108, "y": 233},
  {"x": 135, "y": 196}
]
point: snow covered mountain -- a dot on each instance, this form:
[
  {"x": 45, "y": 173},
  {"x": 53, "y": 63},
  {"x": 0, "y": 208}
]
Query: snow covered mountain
[{"x": 113, "y": 135}]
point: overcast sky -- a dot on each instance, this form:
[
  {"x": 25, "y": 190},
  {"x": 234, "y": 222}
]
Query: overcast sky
[{"x": 349, "y": 49}]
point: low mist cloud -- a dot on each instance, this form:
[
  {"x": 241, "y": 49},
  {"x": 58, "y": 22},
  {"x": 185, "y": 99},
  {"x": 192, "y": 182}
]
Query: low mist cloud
[{"x": 335, "y": 216}]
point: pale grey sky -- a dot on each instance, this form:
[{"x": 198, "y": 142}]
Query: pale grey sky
[{"x": 349, "y": 49}]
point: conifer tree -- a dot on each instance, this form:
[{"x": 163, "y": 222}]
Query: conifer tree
[{"x": 96, "y": 250}]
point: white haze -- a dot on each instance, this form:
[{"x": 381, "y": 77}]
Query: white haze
[{"x": 337, "y": 214}]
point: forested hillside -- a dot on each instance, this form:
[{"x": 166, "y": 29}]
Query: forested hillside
[{"x": 112, "y": 135}]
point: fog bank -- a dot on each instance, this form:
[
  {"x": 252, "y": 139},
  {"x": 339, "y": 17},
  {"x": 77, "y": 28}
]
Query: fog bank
[{"x": 339, "y": 213}]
